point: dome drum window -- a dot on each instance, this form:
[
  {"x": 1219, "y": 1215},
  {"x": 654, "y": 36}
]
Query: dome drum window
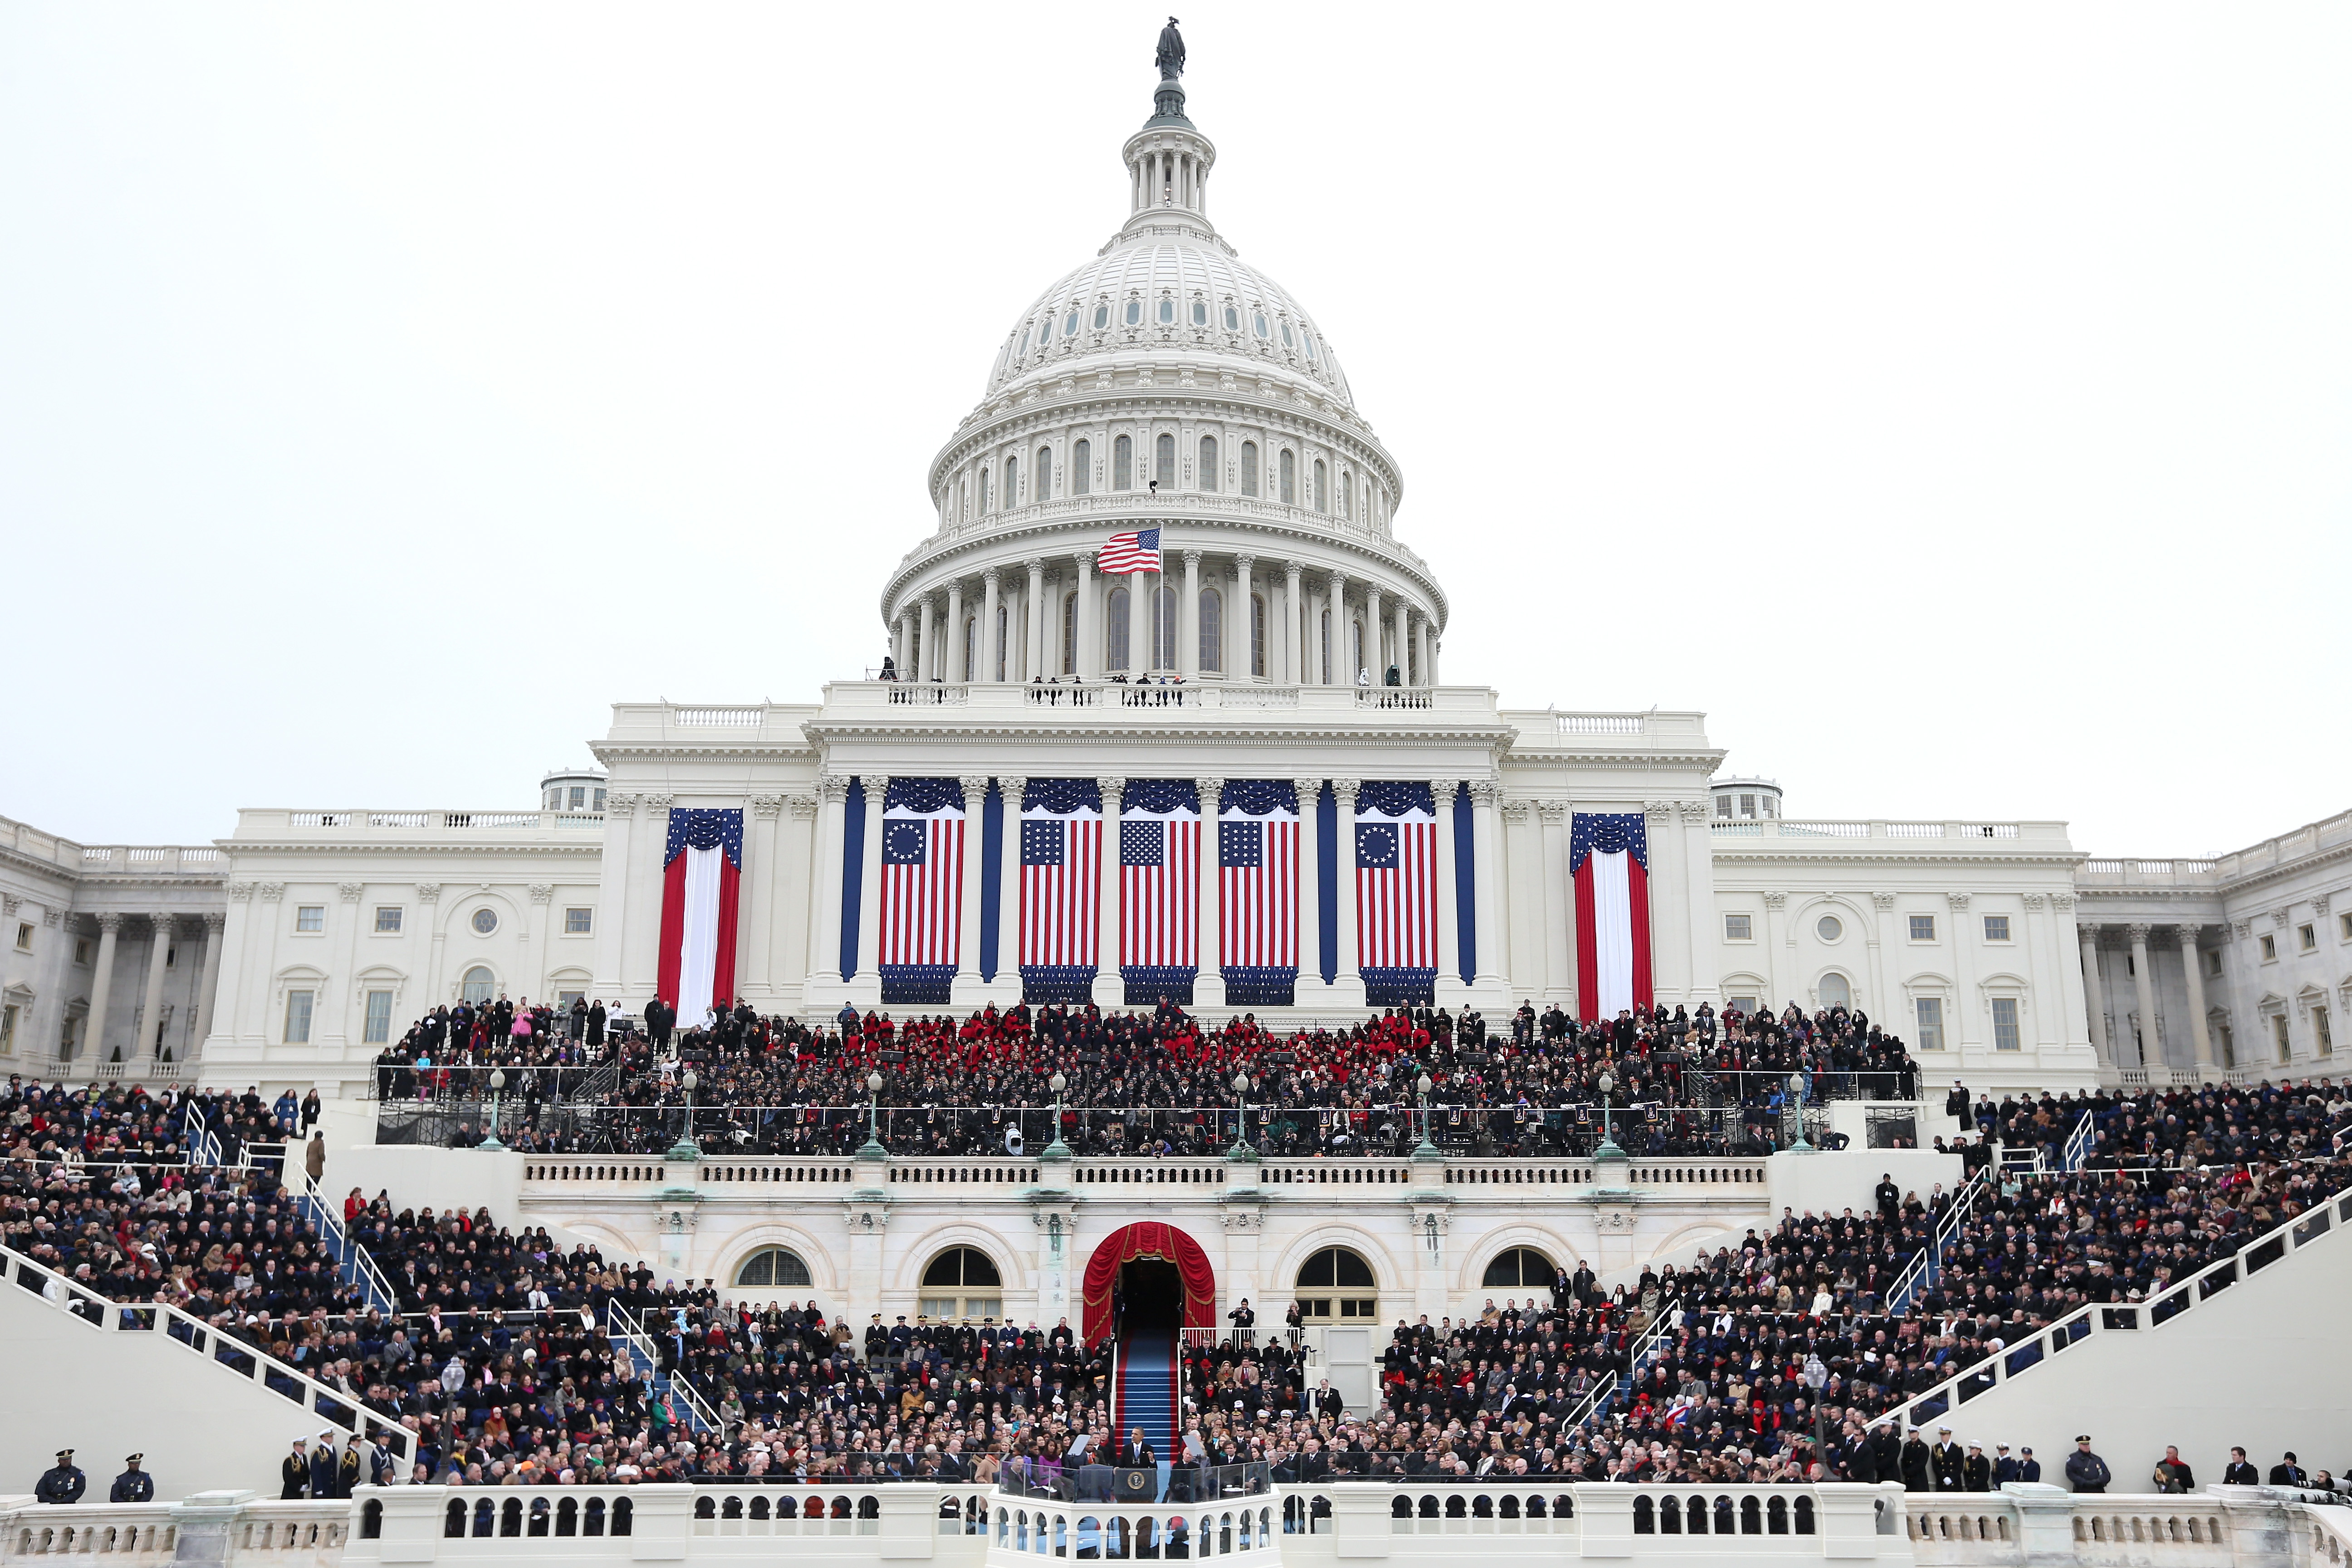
[
  {"x": 1102, "y": 317},
  {"x": 1134, "y": 312},
  {"x": 773, "y": 1266},
  {"x": 962, "y": 1285},
  {"x": 1259, "y": 322},
  {"x": 1167, "y": 312},
  {"x": 1070, "y": 324},
  {"x": 1199, "y": 312},
  {"x": 1335, "y": 1285},
  {"x": 1232, "y": 320}
]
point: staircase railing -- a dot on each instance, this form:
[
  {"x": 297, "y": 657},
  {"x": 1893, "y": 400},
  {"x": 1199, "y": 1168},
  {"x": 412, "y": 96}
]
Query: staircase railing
[
  {"x": 248, "y": 1361},
  {"x": 2078, "y": 1144},
  {"x": 204, "y": 1144},
  {"x": 624, "y": 1326},
  {"x": 352, "y": 1260},
  {"x": 2135, "y": 1317},
  {"x": 1928, "y": 1266},
  {"x": 1645, "y": 1350}
]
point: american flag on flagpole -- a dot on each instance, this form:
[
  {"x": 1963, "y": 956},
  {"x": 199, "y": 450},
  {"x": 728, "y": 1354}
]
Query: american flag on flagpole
[
  {"x": 1138, "y": 551},
  {"x": 1061, "y": 881},
  {"x": 921, "y": 924},
  {"x": 1160, "y": 880},
  {"x": 1396, "y": 886},
  {"x": 1258, "y": 875}
]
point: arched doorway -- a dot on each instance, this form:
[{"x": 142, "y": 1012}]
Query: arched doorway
[{"x": 1157, "y": 1273}]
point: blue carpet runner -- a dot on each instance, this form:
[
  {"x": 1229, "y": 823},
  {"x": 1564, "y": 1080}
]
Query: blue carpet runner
[{"x": 1147, "y": 1390}]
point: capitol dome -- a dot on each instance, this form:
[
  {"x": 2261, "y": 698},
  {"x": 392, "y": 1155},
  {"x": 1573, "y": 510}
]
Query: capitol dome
[{"x": 1165, "y": 389}]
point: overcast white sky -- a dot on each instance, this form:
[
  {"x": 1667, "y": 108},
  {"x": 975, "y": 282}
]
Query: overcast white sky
[{"x": 1949, "y": 401}]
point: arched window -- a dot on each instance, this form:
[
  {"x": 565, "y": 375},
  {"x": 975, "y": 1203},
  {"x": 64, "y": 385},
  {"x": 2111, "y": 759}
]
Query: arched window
[
  {"x": 1134, "y": 312},
  {"x": 983, "y": 490},
  {"x": 1115, "y": 631},
  {"x": 774, "y": 1266},
  {"x": 1232, "y": 320},
  {"x": 1324, "y": 645},
  {"x": 1322, "y": 487},
  {"x": 1347, "y": 487},
  {"x": 1337, "y": 1283},
  {"x": 1199, "y": 312},
  {"x": 1836, "y": 990},
  {"x": 961, "y": 1283},
  {"x": 1167, "y": 312},
  {"x": 1521, "y": 1267},
  {"x": 1289, "y": 496},
  {"x": 478, "y": 986},
  {"x": 1163, "y": 467},
  {"x": 1249, "y": 468},
  {"x": 1011, "y": 482},
  {"x": 1213, "y": 630},
  {"x": 1355, "y": 648},
  {"x": 1122, "y": 464},
  {"x": 1102, "y": 317},
  {"x": 1209, "y": 464},
  {"x": 971, "y": 649},
  {"x": 1163, "y": 629},
  {"x": 1041, "y": 478},
  {"x": 1082, "y": 469},
  {"x": 963, "y": 500},
  {"x": 1003, "y": 643},
  {"x": 1069, "y": 660},
  {"x": 1257, "y": 634}
]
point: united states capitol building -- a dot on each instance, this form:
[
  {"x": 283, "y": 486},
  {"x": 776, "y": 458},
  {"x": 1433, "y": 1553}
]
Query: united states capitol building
[{"x": 1287, "y": 656}]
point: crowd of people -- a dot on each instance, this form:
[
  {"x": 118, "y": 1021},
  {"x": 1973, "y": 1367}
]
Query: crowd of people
[{"x": 1156, "y": 1082}]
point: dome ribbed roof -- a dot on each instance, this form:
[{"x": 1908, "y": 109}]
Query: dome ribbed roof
[{"x": 1157, "y": 292}]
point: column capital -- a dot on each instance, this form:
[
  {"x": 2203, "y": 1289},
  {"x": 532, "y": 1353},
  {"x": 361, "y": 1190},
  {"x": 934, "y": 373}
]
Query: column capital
[
  {"x": 658, "y": 804},
  {"x": 162, "y": 921},
  {"x": 1485, "y": 792},
  {"x": 832, "y": 789},
  {"x": 621, "y": 802},
  {"x": 1086, "y": 560},
  {"x": 1012, "y": 786},
  {"x": 1516, "y": 812},
  {"x": 1192, "y": 557},
  {"x": 876, "y": 785},
  {"x": 1211, "y": 791},
  {"x": 991, "y": 576},
  {"x": 2064, "y": 901},
  {"x": 1033, "y": 564},
  {"x": 1243, "y": 563},
  {"x": 2137, "y": 932},
  {"x": 1553, "y": 812},
  {"x": 428, "y": 892},
  {"x": 975, "y": 789},
  {"x": 1882, "y": 902},
  {"x": 1346, "y": 791},
  {"x": 1658, "y": 810},
  {"x": 215, "y": 921},
  {"x": 1445, "y": 790},
  {"x": 111, "y": 923},
  {"x": 1957, "y": 901},
  {"x": 1112, "y": 788},
  {"x": 2035, "y": 900},
  {"x": 1776, "y": 898},
  {"x": 1310, "y": 791},
  {"x": 348, "y": 892},
  {"x": 1692, "y": 810},
  {"x": 1294, "y": 570},
  {"x": 802, "y": 807},
  {"x": 767, "y": 804},
  {"x": 2189, "y": 934}
]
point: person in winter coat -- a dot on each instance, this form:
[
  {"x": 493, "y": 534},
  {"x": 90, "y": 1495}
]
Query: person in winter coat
[
  {"x": 1915, "y": 1472},
  {"x": 2085, "y": 1471}
]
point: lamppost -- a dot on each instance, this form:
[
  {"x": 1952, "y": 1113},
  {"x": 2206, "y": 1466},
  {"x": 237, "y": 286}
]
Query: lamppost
[
  {"x": 686, "y": 1148},
  {"x": 1816, "y": 1377},
  {"x": 1796, "y": 1093},
  {"x": 1057, "y": 1149},
  {"x": 497, "y": 1082},
  {"x": 1425, "y": 1149},
  {"x": 1241, "y": 1148},
  {"x": 873, "y": 1149},
  {"x": 1608, "y": 1150}
]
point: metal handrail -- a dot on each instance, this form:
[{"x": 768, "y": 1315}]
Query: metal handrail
[
  {"x": 1928, "y": 1266},
  {"x": 2078, "y": 1145},
  {"x": 109, "y": 1316},
  {"x": 633, "y": 1329},
  {"x": 348, "y": 1253}
]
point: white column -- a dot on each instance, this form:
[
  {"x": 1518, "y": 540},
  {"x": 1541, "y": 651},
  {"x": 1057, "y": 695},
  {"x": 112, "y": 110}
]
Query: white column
[
  {"x": 1310, "y": 890},
  {"x": 1209, "y": 987},
  {"x": 1241, "y": 624},
  {"x": 967, "y": 990},
  {"x": 2198, "y": 1029},
  {"x": 1292, "y": 672},
  {"x": 93, "y": 1038},
  {"x": 1006, "y": 989},
  {"x": 1338, "y": 669},
  {"x": 1089, "y": 659},
  {"x": 1428, "y": 676},
  {"x": 1035, "y": 607},
  {"x": 201, "y": 1023},
  {"x": 865, "y": 985},
  {"x": 2151, "y": 1039},
  {"x": 1487, "y": 889},
  {"x": 1401, "y": 628},
  {"x": 952, "y": 648},
  {"x": 1559, "y": 913},
  {"x": 1347, "y": 990},
  {"x": 991, "y": 645},
  {"x": 2095, "y": 994},
  {"x": 933, "y": 665},
  {"x": 900, "y": 630},
  {"x": 795, "y": 875},
  {"x": 1966, "y": 1003},
  {"x": 1522, "y": 857},
  {"x": 758, "y": 889},
  {"x": 1452, "y": 992},
  {"x": 150, "y": 1008},
  {"x": 1110, "y": 990},
  {"x": 1188, "y": 620},
  {"x": 825, "y": 924},
  {"x": 1373, "y": 661},
  {"x": 1670, "y": 948}
]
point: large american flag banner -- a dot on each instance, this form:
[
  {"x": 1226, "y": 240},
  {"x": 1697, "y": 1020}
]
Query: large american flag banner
[
  {"x": 702, "y": 881},
  {"x": 1396, "y": 891},
  {"x": 1061, "y": 878},
  {"x": 1160, "y": 890},
  {"x": 1609, "y": 864},
  {"x": 1134, "y": 552},
  {"x": 1257, "y": 890},
  {"x": 923, "y": 888}
]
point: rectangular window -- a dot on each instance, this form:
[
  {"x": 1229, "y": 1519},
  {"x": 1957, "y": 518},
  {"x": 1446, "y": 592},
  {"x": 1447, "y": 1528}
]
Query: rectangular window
[
  {"x": 579, "y": 797},
  {"x": 23, "y": 936},
  {"x": 2212, "y": 958},
  {"x": 1996, "y": 928},
  {"x": 2279, "y": 1034},
  {"x": 2270, "y": 949},
  {"x": 1743, "y": 1005},
  {"x": 2323, "y": 1036},
  {"x": 2004, "y": 1024},
  {"x": 2308, "y": 936},
  {"x": 310, "y": 917},
  {"x": 8, "y": 1030},
  {"x": 1257, "y": 634},
  {"x": 1923, "y": 928},
  {"x": 1931, "y": 1023},
  {"x": 600, "y": 801},
  {"x": 81, "y": 951},
  {"x": 563, "y": 999},
  {"x": 2343, "y": 927},
  {"x": 298, "y": 1017},
  {"x": 1739, "y": 928},
  {"x": 379, "y": 1018},
  {"x": 1723, "y": 806},
  {"x": 576, "y": 923},
  {"x": 387, "y": 919},
  {"x": 1747, "y": 805}
]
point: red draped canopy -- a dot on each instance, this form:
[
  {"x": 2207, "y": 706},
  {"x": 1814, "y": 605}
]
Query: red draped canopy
[{"x": 1147, "y": 1238}]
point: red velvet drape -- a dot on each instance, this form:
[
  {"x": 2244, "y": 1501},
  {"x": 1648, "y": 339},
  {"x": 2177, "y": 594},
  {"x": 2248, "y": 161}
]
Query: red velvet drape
[{"x": 1147, "y": 1238}]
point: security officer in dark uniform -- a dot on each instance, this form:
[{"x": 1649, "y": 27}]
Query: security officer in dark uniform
[
  {"x": 1946, "y": 1458},
  {"x": 294, "y": 1472},
  {"x": 1915, "y": 1464},
  {"x": 133, "y": 1485},
  {"x": 1976, "y": 1470},
  {"x": 61, "y": 1482}
]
